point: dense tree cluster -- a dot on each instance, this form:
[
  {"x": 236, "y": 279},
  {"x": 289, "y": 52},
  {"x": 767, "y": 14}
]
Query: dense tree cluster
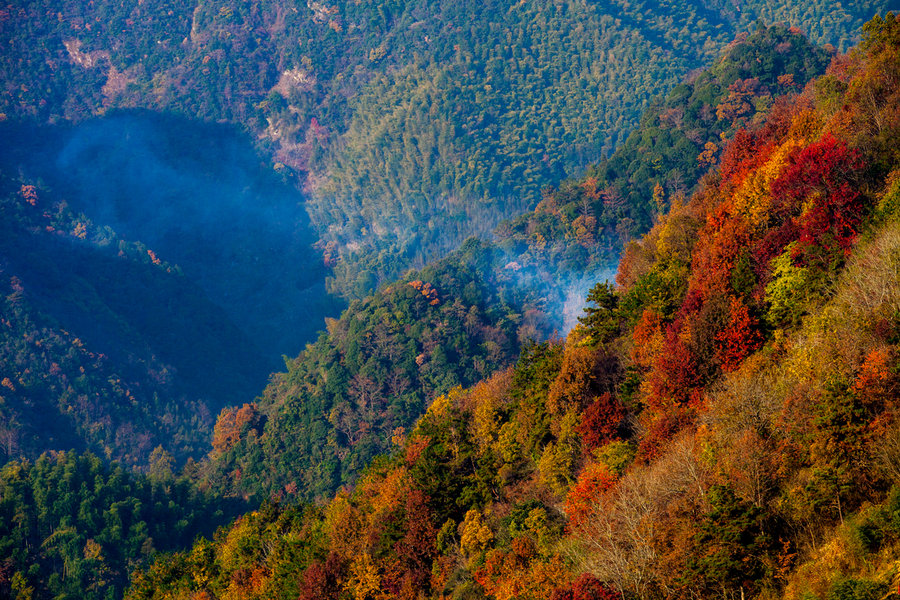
[
  {"x": 722, "y": 421},
  {"x": 587, "y": 220},
  {"x": 125, "y": 362},
  {"x": 372, "y": 374},
  {"x": 73, "y": 526}
]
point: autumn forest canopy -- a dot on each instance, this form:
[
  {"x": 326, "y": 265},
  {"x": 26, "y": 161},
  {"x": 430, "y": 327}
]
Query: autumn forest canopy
[{"x": 419, "y": 300}]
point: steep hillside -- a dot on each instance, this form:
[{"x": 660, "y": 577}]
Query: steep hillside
[
  {"x": 244, "y": 287},
  {"x": 92, "y": 340},
  {"x": 199, "y": 196},
  {"x": 585, "y": 223},
  {"x": 723, "y": 423},
  {"x": 373, "y": 374},
  {"x": 449, "y": 116}
]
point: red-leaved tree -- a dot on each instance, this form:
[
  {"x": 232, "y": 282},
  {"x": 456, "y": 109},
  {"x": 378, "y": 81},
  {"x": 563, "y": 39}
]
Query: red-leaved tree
[
  {"x": 739, "y": 339},
  {"x": 601, "y": 421}
]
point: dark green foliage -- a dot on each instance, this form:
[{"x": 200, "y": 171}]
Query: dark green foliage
[
  {"x": 838, "y": 452},
  {"x": 516, "y": 525},
  {"x": 661, "y": 291},
  {"x": 743, "y": 277},
  {"x": 602, "y": 321},
  {"x": 882, "y": 525},
  {"x": 287, "y": 532},
  {"x": 857, "y": 589},
  {"x": 731, "y": 545},
  {"x": 448, "y": 470},
  {"x": 75, "y": 527},
  {"x": 537, "y": 368}
]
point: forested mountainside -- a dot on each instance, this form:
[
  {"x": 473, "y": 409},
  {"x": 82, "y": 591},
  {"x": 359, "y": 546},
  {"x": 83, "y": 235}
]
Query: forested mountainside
[
  {"x": 372, "y": 374},
  {"x": 186, "y": 320},
  {"x": 585, "y": 223},
  {"x": 93, "y": 351},
  {"x": 450, "y": 116},
  {"x": 722, "y": 423},
  {"x": 73, "y": 526},
  {"x": 467, "y": 316},
  {"x": 198, "y": 196}
]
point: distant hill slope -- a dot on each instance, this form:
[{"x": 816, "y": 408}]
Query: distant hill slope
[
  {"x": 724, "y": 423},
  {"x": 201, "y": 197},
  {"x": 415, "y": 123},
  {"x": 456, "y": 321},
  {"x": 103, "y": 345}
]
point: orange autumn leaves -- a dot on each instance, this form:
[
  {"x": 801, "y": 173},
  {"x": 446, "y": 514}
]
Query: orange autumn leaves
[
  {"x": 29, "y": 194},
  {"x": 232, "y": 423},
  {"x": 791, "y": 186},
  {"x": 426, "y": 290},
  {"x": 585, "y": 495}
]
